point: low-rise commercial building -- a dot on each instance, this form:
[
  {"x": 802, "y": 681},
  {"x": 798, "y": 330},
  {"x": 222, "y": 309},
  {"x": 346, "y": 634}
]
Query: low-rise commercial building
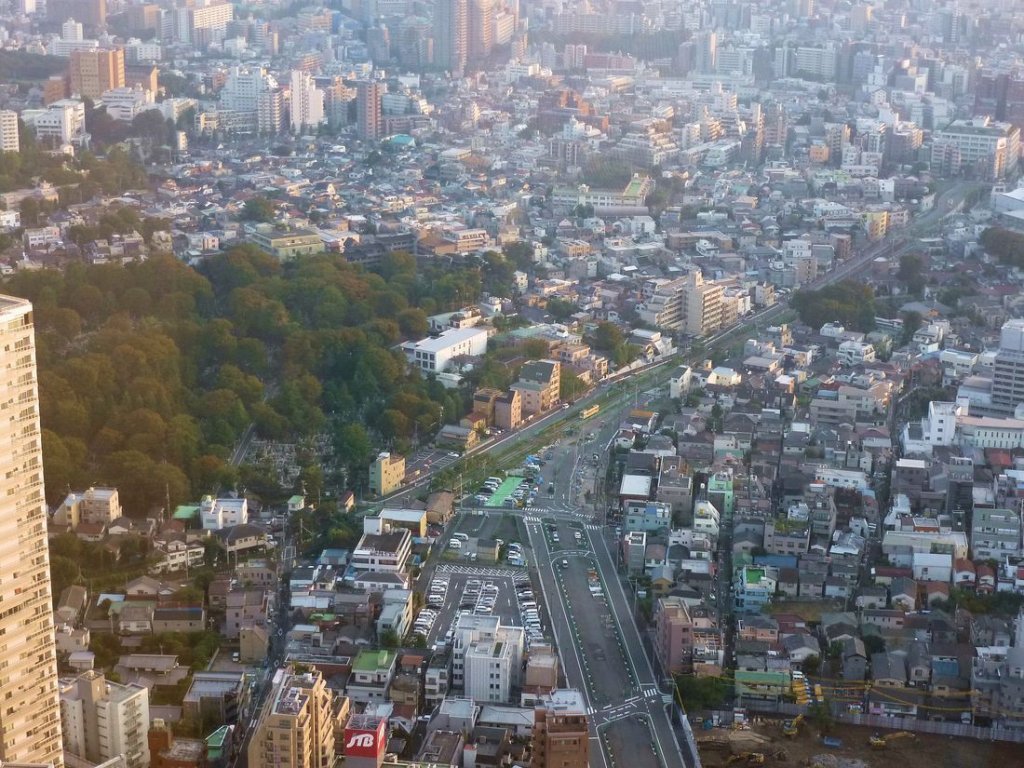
[{"x": 386, "y": 473}]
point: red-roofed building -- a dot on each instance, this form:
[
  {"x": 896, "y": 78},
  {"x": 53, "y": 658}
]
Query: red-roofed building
[
  {"x": 998, "y": 458},
  {"x": 964, "y": 574},
  {"x": 884, "y": 574},
  {"x": 938, "y": 591},
  {"x": 986, "y": 579}
]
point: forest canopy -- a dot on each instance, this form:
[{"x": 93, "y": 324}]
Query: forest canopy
[
  {"x": 149, "y": 373},
  {"x": 849, "y": 303}
]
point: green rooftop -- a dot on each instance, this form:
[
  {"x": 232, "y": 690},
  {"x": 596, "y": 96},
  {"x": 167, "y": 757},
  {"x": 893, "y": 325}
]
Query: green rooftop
[
  {"x": 216, "y": 740},
  {"x": 186, "y": 512},
  {"x": 371, "y": 661},
  {"x": 753, "y": 575},
  {"x": 633, "y": 188}
]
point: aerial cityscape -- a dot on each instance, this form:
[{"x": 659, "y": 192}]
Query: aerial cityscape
[{"x": 512, "y": 383}]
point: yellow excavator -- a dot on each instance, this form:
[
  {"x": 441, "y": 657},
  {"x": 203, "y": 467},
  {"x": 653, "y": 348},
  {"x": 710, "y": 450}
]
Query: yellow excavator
[
  {"x": 750, "y": 758},
  {"x": 792, "y": 727},
  {"x": 877, "y": 741}
]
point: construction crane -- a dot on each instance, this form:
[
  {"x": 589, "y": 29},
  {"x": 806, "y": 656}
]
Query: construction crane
[
  {"x": 750, "y": 758},
  {"x": 878, "y": 741},
  {"x": 792, "y": 727}
]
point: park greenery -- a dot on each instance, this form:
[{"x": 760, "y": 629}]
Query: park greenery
[
  {"x": 850, "y": 303},
  {"x": 149, "y": 373},
  {"x": 1006, "y": 245},
  {"x": 78, "y": 180}
]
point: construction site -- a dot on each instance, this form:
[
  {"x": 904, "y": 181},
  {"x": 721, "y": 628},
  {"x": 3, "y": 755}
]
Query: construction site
[{"x": 798, "y": 743}]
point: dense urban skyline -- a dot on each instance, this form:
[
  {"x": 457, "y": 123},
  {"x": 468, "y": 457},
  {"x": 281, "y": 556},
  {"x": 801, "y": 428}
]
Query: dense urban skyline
[{"x": 489, "y": 382}]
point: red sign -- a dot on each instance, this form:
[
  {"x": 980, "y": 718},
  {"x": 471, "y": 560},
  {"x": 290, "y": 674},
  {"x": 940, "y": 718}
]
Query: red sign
[{"x": 360, "y": 742}]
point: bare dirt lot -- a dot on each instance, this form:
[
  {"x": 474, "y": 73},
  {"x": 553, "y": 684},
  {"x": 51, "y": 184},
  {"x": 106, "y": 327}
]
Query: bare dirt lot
[{"x": 927, "y": 751}]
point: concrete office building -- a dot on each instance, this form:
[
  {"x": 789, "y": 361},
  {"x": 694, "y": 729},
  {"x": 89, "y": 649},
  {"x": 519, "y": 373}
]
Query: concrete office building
[
  {"x": 94, "y": 72},
  {"x": 1008, "y": 373},
  {"x": 102, "y": 720},
  {"x": 980, "y": 145},
  {"x": 487, "y": 658},
  {"x": 561, "y": 737},
  {"x": 996, "y": 534},
  {"x": 28, "y": 661},
  {"x": 296, "y": 725}
]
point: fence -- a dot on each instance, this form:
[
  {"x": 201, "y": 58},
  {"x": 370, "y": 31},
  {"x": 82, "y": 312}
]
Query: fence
[{"x": 939, "y": 727}]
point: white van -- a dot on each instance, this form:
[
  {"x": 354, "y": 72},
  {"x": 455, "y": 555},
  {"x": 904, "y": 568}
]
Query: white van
[
  {"x": 460, "y": 536},
  {"x": 454, "y": 544}
]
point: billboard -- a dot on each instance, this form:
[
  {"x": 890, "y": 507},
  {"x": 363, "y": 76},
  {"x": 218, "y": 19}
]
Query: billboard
[{"x": 364, "y": 741}]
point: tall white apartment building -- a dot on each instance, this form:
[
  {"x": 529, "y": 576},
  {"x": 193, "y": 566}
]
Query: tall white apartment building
[
  {"x": 30, "y": 711},
  {"x": 307, "y": 111},
  {"x": 486, "y": 658},
  {"x": 103, "y": 720},
  {"x": 9, "y": 138},
  {"x": 1008, "y": 373},
  {"x": 244, "y": 91}
]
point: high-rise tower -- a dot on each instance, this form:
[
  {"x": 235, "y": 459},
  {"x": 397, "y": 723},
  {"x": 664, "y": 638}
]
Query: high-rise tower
[
  {"x": 368, "y": 109},
  {"x": 29, "y": 699},
  {"x": 451, "y": 34}
]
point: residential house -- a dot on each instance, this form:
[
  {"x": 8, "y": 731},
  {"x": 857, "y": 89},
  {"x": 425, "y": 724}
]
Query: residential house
[
  {"x": 372, "y": 673},
  {"x": 179, "y": 618},
  {"x": 903, "y": 593},
  {"x": 853, "y": 658}
]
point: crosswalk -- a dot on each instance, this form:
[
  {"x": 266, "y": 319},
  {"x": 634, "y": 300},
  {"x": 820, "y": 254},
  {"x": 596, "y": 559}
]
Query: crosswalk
[
  {"x": 518, "y": 574},
  {"x": 651, "y": 691}
]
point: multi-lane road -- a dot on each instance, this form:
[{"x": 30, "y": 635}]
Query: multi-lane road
[{"x": 600, "y": 646}]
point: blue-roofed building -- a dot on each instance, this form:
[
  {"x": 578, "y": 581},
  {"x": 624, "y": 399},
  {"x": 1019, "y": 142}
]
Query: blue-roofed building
[
  {"x": 333, "y": 556},
  {"x": 648, "y": 516}
]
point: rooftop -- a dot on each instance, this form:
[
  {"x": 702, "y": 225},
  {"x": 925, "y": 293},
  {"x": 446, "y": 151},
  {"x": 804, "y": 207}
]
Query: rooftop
[{"x": 372, "y": 660}]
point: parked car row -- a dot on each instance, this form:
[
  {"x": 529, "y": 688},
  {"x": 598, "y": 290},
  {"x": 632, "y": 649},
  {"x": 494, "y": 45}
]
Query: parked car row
[
  {"x": 530, "y": 612},
  {"x": 438, "y": 592},
  {"x": 515, "y": 556},
  {"x": 424, "y": 622}
]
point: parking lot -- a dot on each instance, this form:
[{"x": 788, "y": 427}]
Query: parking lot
[
  {"x": 457, "y": 590},
  {"x": 472, "y": 527},
  {"x": 512, "y": 492}
]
